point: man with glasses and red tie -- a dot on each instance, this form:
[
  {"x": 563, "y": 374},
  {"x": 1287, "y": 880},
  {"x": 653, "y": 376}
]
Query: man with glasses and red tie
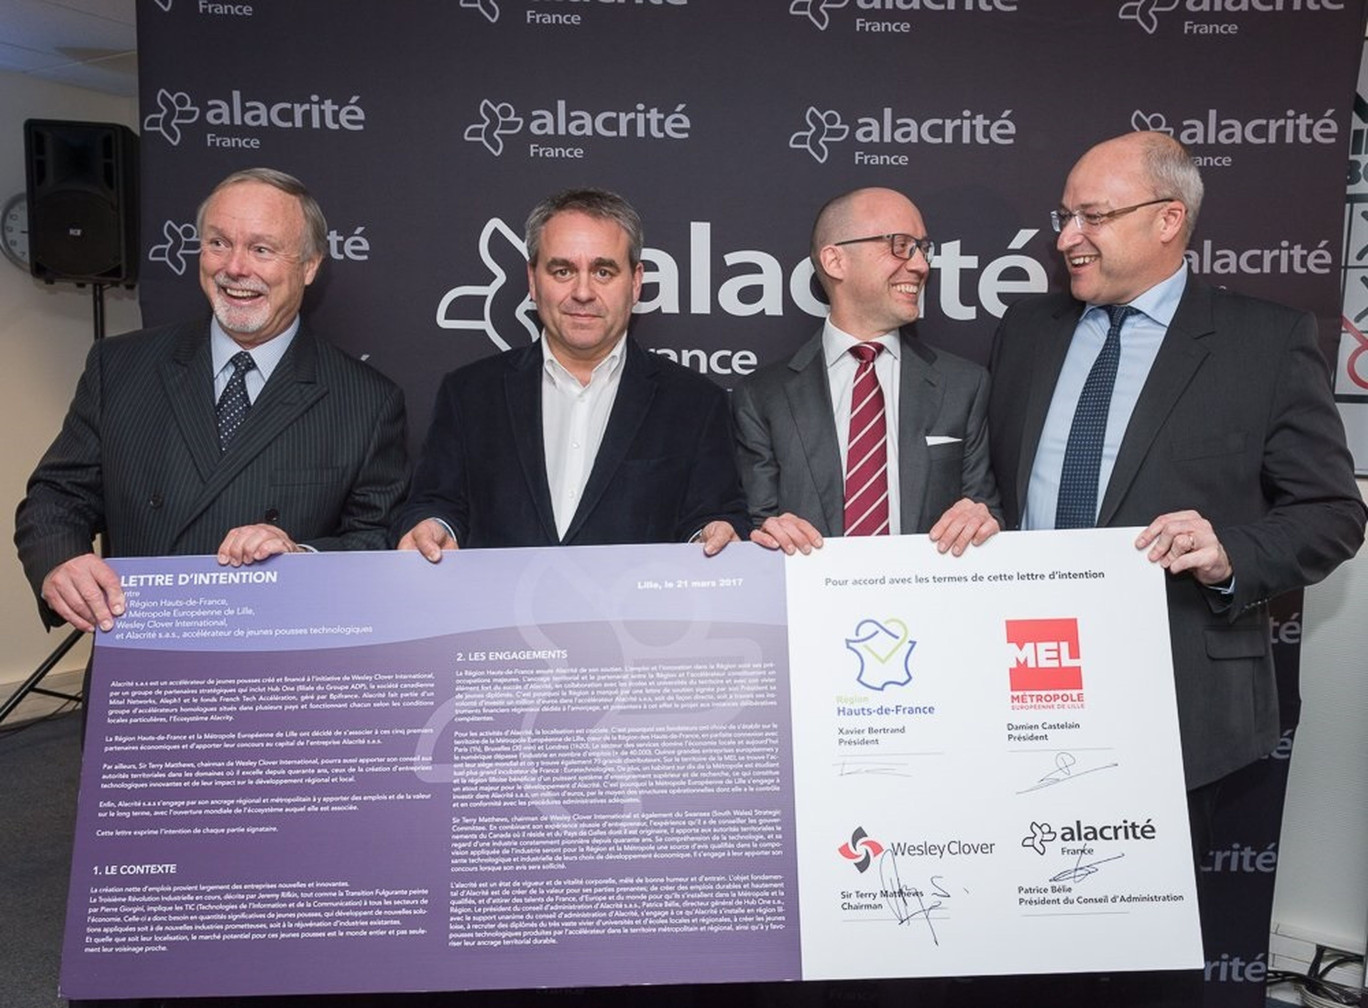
[
  {"x": 1143, "y": 396},
  {"x": 866, "y": 430}
]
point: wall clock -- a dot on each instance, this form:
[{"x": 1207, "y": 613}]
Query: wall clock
[{"x": 14, "y": 225}]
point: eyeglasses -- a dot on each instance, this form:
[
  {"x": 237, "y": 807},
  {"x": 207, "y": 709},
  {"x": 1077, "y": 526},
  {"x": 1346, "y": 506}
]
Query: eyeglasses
[
  {"x": 903, "y": 246},
  {"x": 1088, "y": 221}
]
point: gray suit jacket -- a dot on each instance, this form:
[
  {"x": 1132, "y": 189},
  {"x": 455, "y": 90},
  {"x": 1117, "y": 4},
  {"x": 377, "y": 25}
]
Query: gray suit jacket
[
  {"x": 1237, "y": 422},
  {"x": 790, "y": 458},
  {"x": 321, "y": 454}
]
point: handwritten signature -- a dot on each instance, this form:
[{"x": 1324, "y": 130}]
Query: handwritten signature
[
  {"x": 1065, "y": 770},
  {"x": 883, "y": 767},
  {"x": 1080, "y": 871},
  {"x": 909, "y": 903}
]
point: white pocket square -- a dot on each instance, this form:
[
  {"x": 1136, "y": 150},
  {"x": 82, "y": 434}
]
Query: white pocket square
[{"x": 934, "y": 439}]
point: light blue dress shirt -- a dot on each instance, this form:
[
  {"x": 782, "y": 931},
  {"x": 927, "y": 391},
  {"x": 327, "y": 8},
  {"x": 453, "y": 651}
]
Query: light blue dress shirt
[
  {"x": 1140, "y": 339},
  {"x": 266, "y": 357}
]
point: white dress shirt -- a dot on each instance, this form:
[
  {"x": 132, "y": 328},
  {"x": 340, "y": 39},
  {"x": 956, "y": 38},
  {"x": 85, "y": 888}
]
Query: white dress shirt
[
  {"x": 841, "y": 367},
  {"x": 574, "y": 417}
]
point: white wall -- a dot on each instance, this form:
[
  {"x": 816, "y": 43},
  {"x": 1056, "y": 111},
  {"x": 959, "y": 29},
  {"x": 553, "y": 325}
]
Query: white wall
[
  {"x": 45, "y": 332},
  {"x": 1322, "y": 883}
]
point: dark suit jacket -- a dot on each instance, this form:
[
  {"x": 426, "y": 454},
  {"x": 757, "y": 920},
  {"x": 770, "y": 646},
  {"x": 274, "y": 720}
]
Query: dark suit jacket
[
  {"x": 1236, "y": 421},
  {"x": 321, "y": 454},
  {"x": 664, "y": 468},
  {"x": 790, "y": 459}
]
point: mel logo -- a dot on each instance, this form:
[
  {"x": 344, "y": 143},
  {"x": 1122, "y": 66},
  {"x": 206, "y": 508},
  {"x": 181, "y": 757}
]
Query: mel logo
[{"x": 1045, "y": 655}]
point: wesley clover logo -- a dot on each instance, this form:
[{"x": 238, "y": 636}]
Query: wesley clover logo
[
  {"x": 181, "y": 241},
  {"x": 472, "y": 306},
  {"x": 174, "y": 111},
  {"x": 496, "y": 122},
  {"x": 884, "y": 651},
  {"x": 1143, "y": 12},
  {"x": 823, "y": 127},
  {"x": 862, "y": 849}
]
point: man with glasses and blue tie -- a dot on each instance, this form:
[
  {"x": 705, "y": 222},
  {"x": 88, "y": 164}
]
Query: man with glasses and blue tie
[
  {"x": 866, "y": 430},
  {"x": 1144, "y": 396}
]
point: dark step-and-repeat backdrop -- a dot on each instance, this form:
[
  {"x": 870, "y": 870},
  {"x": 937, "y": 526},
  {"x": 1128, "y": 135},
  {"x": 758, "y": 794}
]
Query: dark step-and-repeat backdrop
[{"x": 428, "y": 128}]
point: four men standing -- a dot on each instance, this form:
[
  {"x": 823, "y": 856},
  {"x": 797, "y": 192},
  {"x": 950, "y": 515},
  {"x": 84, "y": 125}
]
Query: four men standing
[
  {"x": 1209, "y": 420},
  {"x": 1142, "y": 396}
]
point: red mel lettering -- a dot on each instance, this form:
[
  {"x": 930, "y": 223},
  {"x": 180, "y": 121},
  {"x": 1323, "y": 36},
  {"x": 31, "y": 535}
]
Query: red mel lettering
[{"x": 1045, "y": 655}]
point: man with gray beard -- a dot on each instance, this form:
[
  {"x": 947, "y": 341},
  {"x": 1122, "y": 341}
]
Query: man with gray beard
[{"x": 242, "y": 435}]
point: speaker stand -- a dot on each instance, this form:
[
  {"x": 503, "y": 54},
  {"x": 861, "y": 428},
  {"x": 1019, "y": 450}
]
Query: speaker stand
[{"x": 31, "y": 684}]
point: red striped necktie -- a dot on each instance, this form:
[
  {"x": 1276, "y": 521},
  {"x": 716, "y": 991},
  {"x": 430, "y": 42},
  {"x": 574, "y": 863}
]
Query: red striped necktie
[{"x": 866, "y": 482}]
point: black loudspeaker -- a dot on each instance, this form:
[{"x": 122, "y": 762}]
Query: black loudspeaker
[{"x": 82, "y": 201}]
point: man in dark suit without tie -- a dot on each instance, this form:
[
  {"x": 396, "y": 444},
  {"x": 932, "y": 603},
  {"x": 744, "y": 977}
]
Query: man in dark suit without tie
[
  {"x": 582, "y": 437},
  {"x": 243, "y": 435}
]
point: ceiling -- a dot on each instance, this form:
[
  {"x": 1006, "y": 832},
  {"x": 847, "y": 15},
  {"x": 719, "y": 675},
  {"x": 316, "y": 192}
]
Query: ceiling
[{"x": 85, "y": 43}]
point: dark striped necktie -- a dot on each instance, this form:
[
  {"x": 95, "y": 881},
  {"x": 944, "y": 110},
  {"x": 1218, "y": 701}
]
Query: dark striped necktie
[{"x": 866, "y": 482}]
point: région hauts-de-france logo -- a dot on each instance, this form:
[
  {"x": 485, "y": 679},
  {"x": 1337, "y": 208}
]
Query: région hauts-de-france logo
[
  {"x": 473, "y": 306},
  {"x": 861, "y": 849},
  {"x": 884, "y": 652}
]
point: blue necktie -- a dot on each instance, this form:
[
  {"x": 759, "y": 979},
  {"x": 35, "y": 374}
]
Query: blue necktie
[
  {"x": 233, "y": 404},
  {"x": 1076, "y": 506}
]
